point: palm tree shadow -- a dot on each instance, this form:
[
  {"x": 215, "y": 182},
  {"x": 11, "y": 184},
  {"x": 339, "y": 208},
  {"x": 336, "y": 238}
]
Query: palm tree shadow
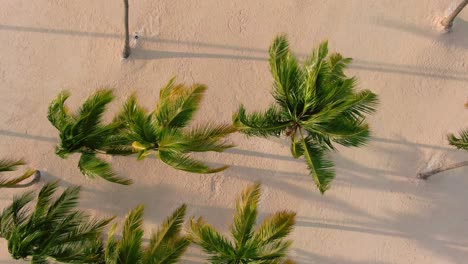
[
  {"x": 402, "y": 160},
  {"x": 87, "y": 34},
  {"x": 428, "y": 227},
  {"x": 302, "y": 256},
  {"x": 457, "y": 37},
  {"x": 297, "y": 185},
  {"x": 258, "y": 154},
  {"x": 49, "y": 177},
  {"x": 8, "y": 133},
  {"x": 146, "y": 54},
  {"x": 360, "y": 175}
]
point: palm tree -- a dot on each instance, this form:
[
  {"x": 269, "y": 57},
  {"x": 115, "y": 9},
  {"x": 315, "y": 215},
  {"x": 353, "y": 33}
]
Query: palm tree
[
  {"x": 165, "y": 247},
  {"x": 161, "y": 131},
  {"x": 83, "y": 132},
  {"x": 447, "y": 22},
  {"x": 264, "y": 244},
  {"x": 126, "y": 50},
  {"x": 460, "y": 142},
  {"x": 53, "y": 230},
  {"x": 316, "y": 104},
  {"x": 10, "y": 165}
]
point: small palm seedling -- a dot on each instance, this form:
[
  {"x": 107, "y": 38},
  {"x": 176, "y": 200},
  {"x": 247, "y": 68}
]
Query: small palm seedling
[
  {"x": 161, "y": 131},
  {"x": 83, "y": 132},
  {"x": 11, "y": 165},
  {"x": 265, "y": 244},
  {"x": 316, "y": 104},
  {"x": 165, "y": 247},
  {"x": 53, "y": 230},
  {"x": 460, "y": 142}
]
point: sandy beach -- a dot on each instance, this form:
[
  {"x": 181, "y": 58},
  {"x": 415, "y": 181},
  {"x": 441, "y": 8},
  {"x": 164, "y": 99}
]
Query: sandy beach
[{"x": 376, "y": 210}]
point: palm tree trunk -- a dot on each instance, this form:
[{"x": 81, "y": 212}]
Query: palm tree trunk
[
  {"x": 425, "y": 175},
  {"x": 126, "y": 50},
  {"x": 447, "y": 22}
]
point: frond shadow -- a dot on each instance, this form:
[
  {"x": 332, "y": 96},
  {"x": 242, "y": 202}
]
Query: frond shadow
[
  {"x": 261, "y": 54},
  {"x": 8, "y": 133},
  {"x": 455, "y": 38},
  {"x": 302, "y": 256},
  {"x": 146, "y": 54}
]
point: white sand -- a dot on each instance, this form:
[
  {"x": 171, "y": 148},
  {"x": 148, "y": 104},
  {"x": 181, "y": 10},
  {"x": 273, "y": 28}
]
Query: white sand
[{"x": 376, "y": 212}]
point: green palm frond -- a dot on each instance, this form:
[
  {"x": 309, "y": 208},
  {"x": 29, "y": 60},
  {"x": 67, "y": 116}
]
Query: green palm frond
[
  {"x": 11, "y": 165},
  {"x": 318, "y": 164},
  {"x": 84, "y": 132},
  {"x": 172, "y": 140},
  {"x": 317, "y": 105},
  {"x": 219, "y": 248},
  {"x": 265, "y": 244},
  {"x": 119, "y": 150},
  {"x": 90, "y": 113},
  {"x": 13, "y": 182},
  {"x": 361, "y": 103},
  {"x": 349, "y": 133},
  {"x": 162, "y": 132},
  {"x": 346, "y": 132},
  {"x": 315, "y": 70},
  {"x": 130, "y": 247},
  {"x": 275, "y": 227},
  {"x": 14, "y": 214},
  {"x": 58, "y": 113},
  {"x": 136, "y": 130},
  {"x": 246, "y": 214},
  {"x": 140, "y": 125},
  {"x": 261, "y": 124},
  {"x": 166, "y": 245},
  {"x": 93, "y": 167},
  {"x": 208, "y": 138},
  {"x": 53, "y": 229},
  {"x": 296, "y": 146},
  {"x": 184, "y": 162},
  {"x": 178, "y": 105},
  {"x": 286, "y": 74},
  {"x": 165, "y": 91},
  {"x": 460, "y": 142},
  {"x": 111, "y": 248},
  {"x": 337, "y": 65}
]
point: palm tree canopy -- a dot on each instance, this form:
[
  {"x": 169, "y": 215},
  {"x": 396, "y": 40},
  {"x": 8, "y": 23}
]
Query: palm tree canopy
[
  {"x": 166, "y": 245},
  {"x": 84, "y": 132},
  {"x": 53, "y": 229},
  {"x": 162, "y": 131},
  {"x": 316, "y": 104},
  {"x": 264, "y": 244},
  {"x": 11, "y": 165}
]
